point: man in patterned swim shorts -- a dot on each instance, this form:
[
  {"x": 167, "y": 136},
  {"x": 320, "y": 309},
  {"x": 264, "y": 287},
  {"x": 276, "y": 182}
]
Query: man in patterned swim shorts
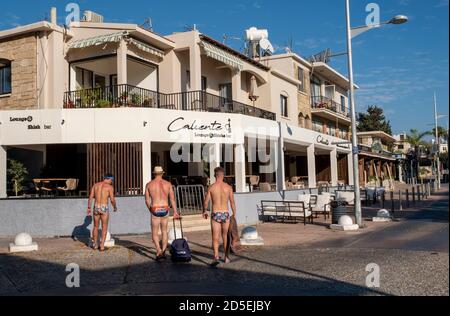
[
  {"x": 220, "y": 194},
  {"x": 102, "y": 193}
]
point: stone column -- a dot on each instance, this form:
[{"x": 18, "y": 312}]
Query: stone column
[
  {"x": 334, "y": 167},
  {"x": 122, "y": 70},
  {"x": 195, "y": 67},
  {"x": 3, "y": 175},
  {"x": 146, "y": 163},
  {"x": 312, "y": 182},
  {"x": 239, "y": 166},
  {"x": 236, "y": 85},
  {"x": 214, "y": 160}
]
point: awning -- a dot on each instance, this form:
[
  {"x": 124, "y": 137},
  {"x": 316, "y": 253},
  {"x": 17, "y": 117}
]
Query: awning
[
  {"x": 115, "y": 38},
  {"x": 222, "y": 56}
]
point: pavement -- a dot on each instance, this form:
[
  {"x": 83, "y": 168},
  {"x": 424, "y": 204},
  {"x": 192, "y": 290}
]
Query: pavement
[{"x": 412, "y": 253}]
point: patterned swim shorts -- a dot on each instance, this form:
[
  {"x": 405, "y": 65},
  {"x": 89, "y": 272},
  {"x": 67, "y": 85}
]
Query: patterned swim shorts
[
  {"x": 101, "y": 210},
  {"x": 221, "y": 217}
]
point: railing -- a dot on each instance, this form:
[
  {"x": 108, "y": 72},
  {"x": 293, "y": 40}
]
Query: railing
[
  {"x": 328, "y": 104},
  {"x": 368, "y": 149},
  {"x": 131, "y": 96}
]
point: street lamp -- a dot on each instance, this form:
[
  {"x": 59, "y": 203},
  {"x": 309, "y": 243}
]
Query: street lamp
[{"x": 351, "y": 33}]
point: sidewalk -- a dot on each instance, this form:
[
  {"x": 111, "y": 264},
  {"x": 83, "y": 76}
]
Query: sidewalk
[{"x": 296, "y": 260}]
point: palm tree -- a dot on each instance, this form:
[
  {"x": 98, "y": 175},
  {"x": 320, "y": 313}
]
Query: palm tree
[
  {"x": 442, "y": 132},
  {"x": 416, "y": 140}
]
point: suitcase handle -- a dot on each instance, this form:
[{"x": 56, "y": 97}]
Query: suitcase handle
[{"x": 175, "y": 228}]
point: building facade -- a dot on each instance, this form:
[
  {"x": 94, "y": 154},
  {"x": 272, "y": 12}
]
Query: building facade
[{"x": 101, "y": 97}]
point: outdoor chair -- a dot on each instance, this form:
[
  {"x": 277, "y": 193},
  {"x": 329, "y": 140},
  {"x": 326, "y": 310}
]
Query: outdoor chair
[
  {"x": 322, "y": 205},
  {"x": 347, "y": 196},
  {"x": 305, "y": 198},
  {"x": 295, "y": 180},
  {"x": 265, "y": 187},
  {"x": 254, "y": 182},
  {"x": 70, "y": 188}
]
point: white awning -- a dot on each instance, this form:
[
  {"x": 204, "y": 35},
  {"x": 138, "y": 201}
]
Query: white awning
[
  {"x": 222, "y": 56},
  {"x": 115, "y": 38}
]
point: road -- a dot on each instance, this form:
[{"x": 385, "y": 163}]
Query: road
[{"x": 412, "y": 254}]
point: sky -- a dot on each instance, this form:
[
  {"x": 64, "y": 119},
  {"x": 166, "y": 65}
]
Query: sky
[{"x": 397, "y": 67}]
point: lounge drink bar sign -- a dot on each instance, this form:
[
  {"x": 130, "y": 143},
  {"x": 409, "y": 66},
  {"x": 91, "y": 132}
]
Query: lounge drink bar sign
[{"x": 210, "y": 129}]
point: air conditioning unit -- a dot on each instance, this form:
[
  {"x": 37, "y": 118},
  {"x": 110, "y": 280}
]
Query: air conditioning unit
[{"x": 90, "y": 16}]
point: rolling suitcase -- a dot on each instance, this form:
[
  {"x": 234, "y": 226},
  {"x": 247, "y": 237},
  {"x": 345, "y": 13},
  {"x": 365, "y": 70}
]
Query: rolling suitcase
[{"x": 179, "y": 249}]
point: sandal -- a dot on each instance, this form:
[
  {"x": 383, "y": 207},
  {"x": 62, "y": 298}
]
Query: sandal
[{"x": 215, "y": 263}]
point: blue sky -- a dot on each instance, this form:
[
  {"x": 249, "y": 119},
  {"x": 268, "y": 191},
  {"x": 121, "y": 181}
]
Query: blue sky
[{"x": 397, "y": 67}]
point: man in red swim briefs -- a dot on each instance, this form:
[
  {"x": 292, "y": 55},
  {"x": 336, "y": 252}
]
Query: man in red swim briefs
[{"x": 157, "y": 195}]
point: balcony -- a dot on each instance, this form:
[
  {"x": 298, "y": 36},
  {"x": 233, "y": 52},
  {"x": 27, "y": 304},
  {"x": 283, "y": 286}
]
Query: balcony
[
  {"x": 329, "y": 109},
  {"x": 369, "y": 150},
  {"x": 119, "y": 96}
]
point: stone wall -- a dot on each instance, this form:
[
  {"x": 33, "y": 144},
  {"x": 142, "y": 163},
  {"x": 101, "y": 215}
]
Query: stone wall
[
  {"x": 304, "y": 100},
  {"x": 22, "y": 52}
]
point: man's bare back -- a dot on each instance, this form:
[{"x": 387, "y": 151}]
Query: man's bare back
[
  {"x": 159, "y": 191},
  {"x": 102, "y": 193},
  {"x": 220, "y": 196}
]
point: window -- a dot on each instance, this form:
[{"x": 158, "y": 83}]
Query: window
[
  {"x": 332, "y": 129},
  {"x": 84, "y": 78},
  {"x": 204, "y": 84},
  {"x": 301, "y": 78},
  {"x": 343, "y": 104},
  {"x": 315, "y": 89},
  {"x": 317, "y": 126},
  {"x": 284, "y": 105},
  {"x": 5, "y": 76}
]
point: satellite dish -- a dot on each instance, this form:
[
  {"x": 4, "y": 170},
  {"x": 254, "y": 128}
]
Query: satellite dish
[{"x": 266, "y": 47}]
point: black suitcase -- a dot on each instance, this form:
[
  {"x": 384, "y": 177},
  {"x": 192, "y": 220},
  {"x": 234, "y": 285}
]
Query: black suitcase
[{"x": 179, "y": 249}]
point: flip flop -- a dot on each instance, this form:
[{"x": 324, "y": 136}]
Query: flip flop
[{"x": 215, "y": 263}]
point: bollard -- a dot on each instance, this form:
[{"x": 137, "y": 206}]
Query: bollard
[
  {"x": 400, "y": 200},
  {"x": 407, "y": 199},
  {"x": 422, "y": 188},
  {"x": 392, "y": 202},
  {"x": 414, "y": 196},
  {"x": 418, "y": 193},
  {"x": 383, "y": 199}
]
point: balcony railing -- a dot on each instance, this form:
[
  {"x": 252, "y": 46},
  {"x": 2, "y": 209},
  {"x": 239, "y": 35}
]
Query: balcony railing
[
  {"x": 368, "y": 149},
  {"x": 328, "y": 104},
  {"x": 131, "y": 96}
]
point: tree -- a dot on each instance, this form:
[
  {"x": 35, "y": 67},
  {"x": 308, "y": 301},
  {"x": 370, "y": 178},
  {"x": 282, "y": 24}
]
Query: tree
[
  {"x": 442, "y": 132},
  {"x": 18, "y": 173},
  {"x": 374, "y": 120},
  {"x": 415, "y": 139}
]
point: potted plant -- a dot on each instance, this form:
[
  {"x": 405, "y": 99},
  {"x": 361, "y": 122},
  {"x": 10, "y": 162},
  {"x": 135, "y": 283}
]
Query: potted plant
[
  {"x": 136, "y": 100},
  {"x": 18, "y": 173},
  {"x": 102, "y": 104}
]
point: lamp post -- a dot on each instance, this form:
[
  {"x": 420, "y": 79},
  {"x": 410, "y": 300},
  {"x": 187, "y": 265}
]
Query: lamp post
[{"x": 353, "y": 32}]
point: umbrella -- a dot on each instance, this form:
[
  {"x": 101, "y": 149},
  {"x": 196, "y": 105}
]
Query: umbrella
[{"x": 254, "y": 94}]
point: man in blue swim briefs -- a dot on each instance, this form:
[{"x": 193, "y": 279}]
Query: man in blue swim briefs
[
  {"x": 102, "y": 193},
  {"x": 157, "y": 195},
  {"x": 220, "y": 194}
]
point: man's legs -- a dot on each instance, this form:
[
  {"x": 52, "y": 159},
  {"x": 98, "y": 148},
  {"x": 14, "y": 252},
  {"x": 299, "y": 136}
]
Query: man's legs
[
  {"x": 225, "y": 230},
  {"x": 156, "y": 223},
  {"x": 216, "y": 231},
  {"x": 95, "y": 231},
  {"x": 105, "y": 223},
  {"x": 165, "y": 233}
]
